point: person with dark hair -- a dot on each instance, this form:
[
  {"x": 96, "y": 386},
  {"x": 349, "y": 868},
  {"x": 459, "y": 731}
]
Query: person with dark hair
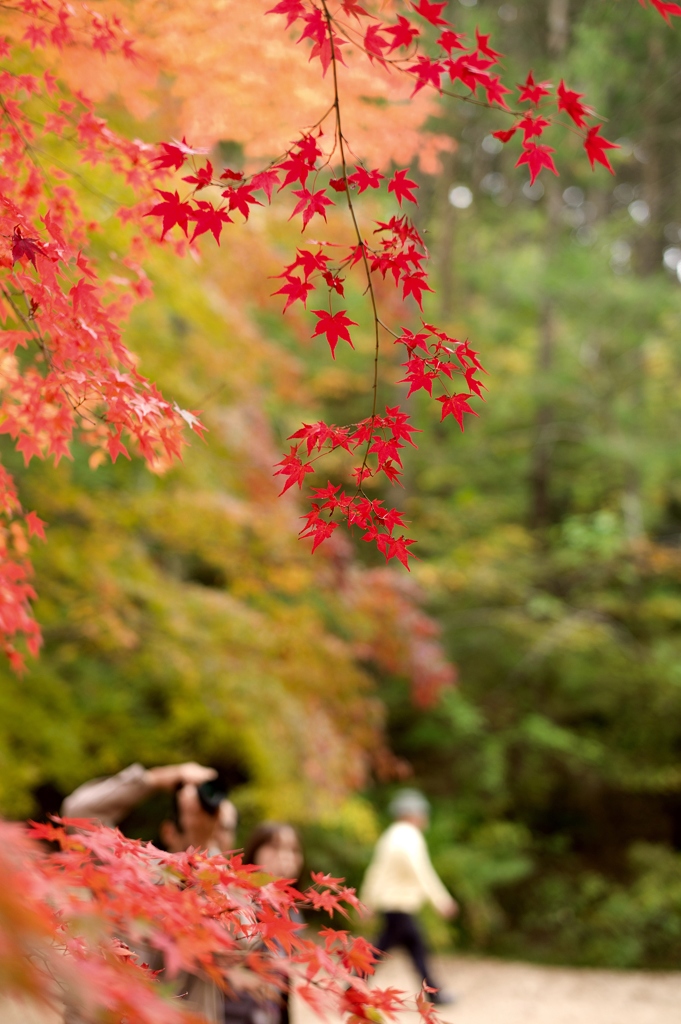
[
  {"x": 276, "y": 849},
  {"x": 400, "y": 879},
  {"x": 202, "y": 816}
]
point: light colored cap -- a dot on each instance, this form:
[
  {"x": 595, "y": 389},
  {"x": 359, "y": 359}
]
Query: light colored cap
[{"x": 408, "y": 802}]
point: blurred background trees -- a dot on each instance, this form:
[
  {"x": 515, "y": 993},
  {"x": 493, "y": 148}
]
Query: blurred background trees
[
  {"x": 182, "y": 617},
  {"x": 550, "y": 531}
]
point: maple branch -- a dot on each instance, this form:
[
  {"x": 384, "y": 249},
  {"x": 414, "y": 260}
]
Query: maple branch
[
  {"x": 360, "y": 239},
  {"x": 27, "y": 145},
  {"x": 43, "y": 347},
  {"x": 28, "y": 323},
  {"x": 278, "y": 159},
  {"x": 396, "y": 62},
  {"x": 353, "y": 36}
]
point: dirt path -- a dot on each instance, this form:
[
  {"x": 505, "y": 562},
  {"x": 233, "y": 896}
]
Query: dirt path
[{"x": 497, "y": 992}]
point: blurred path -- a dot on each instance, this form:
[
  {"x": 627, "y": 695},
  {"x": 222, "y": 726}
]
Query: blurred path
[
  {"x": 12, "y": 1012},
  {"x": 498, "y": 992}
]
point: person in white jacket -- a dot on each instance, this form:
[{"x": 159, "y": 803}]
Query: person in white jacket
[{"x": 401, "y": 878}]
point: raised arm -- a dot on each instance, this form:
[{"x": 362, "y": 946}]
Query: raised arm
[{"x": 110, "y": 799}]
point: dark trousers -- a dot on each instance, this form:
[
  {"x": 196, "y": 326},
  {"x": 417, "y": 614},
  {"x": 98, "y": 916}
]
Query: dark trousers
[{"x": 402, "y": 930}]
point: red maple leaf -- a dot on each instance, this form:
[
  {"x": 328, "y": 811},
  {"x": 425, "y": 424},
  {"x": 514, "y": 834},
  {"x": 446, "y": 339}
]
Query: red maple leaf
[
  {"x": 431, "y": 11},
  {"x": 318, "y": 528},
  {"x": 451, "y": 40},
  {"x": 203, "y": 176},
  {"x": 413, "y": 341},
  {"x": 174, "y": 154},
  {"x": 25, "y": 248},
  {"x": 496, "y": 91},
  {"x": 415, "y": 284},
  {"x": 311, "y": 203},
  {"x": 294, "y": 469},
  {"x": 292, "y": 9},
  {"x": 391, "y": 519},
  {"x": 295, "y": 290},
  {"x": 297, "y": 167},
  {"x": 403, "y": 33},
  {"x": 309, "y": 261},
  {"x": 386, "y": 450},
  {"x": 173, "y": 211},
  {"x": 397, "y": 547},
  {"x": 36, "y": 526},
  {"x": 266, "y": 180},
  {"x": 35, "y": 36},
  {"x": 334, "y": 282},
  {"x": 241, "y": 199},
  {"x": 229, "y": 175},
  {"x": 484, "y": 47},
  {"x": 531, "y": 126},
  {"x": 116, "y": 446},
  {"x": 456, "y": 406},
  {"x": 472, "y": 382},
  {"x": 506, "y": 134},
  {"x": 418, "y": 375},
  {"x": 595, "y": 148},
  {"x": 536, "y": 157},
  {"x": 334, "y": 326},
  {"x": 318, "y": 31},
  {"x": 402, "y": 186},
  {"x": 315, "y": 26},
  {"x": 568, "y": 100},
  {"x": 209, "y": 218},
  {"x": 427, "y": 72},
  {"x": 375, "y": 43},
  {"x": 532, "y": 92},
  {"x": 364, "y": 179},
  {"x": 352, "y": 7}
]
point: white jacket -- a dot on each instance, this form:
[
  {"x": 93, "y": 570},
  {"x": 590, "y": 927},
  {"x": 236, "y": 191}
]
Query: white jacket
[{"x": 401, "y": 876}]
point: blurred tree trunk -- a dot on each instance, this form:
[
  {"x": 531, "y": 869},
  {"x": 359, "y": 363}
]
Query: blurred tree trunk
[
  {"x": 559, "y": 26},
  {"x": 558, "y": 32},
  {"x": 648, "y": 244},
  {"x": 445, "y": 217},
  {"x": 444, "y": 212},
  {"x": 544, "y": 434}
]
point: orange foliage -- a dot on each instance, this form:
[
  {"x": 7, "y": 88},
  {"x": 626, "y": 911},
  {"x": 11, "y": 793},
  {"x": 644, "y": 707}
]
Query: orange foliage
[{"x": 238, "y": 75}]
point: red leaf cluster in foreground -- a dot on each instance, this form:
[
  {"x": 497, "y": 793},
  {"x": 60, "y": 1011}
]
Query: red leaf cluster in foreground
[
  {"x": 68, "y": 918},
  {"x": 65, "y": 371},
  {"x": 394, "y": 251}
]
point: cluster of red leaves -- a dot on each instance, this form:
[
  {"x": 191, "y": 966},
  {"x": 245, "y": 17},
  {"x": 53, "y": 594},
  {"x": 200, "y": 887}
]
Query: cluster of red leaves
[
  {"x": 398, "y": 254},
  {"x": 395, "y": 252},
  {"x": 472, "y": 64},
  {"x": 65, "y": 370},
  {"x": 532, "y": 125},
  {"x": 63, "y": 917}
]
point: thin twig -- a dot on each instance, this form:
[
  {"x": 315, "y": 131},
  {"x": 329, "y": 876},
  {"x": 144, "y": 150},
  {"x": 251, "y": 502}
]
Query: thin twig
[{"x": 360, "y": 239}]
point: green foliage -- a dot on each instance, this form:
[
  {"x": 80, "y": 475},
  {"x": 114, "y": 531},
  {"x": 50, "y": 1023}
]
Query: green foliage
[{"x": 590, "y": 919}]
